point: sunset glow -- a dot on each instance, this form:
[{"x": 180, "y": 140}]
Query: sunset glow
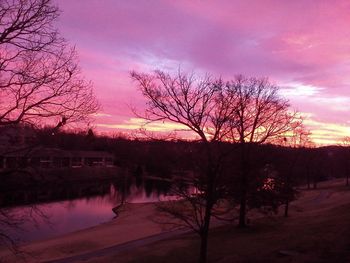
[
  {"x": 302, "y": 46},
  {"x": 174, "y": 131}
]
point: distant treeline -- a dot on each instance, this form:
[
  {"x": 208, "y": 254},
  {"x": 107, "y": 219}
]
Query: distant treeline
[{"x": 161, "y": 158}]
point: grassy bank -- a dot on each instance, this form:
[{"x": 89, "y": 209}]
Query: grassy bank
[{"x": 318, "y": 230}]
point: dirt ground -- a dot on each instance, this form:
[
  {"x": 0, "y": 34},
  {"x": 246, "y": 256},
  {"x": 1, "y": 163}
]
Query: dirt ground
[{"x": 317, "y": 230}]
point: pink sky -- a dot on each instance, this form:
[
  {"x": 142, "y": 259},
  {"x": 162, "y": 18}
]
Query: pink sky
[{"x": 303, "y": 46}]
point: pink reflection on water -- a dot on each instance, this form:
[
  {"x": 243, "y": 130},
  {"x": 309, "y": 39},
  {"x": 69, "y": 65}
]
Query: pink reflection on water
[
  {"x": 53, "y": 219},
  {"x": 58, "y": 218}
]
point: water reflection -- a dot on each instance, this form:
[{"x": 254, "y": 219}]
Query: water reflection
[{"x": 71, "y": 208}]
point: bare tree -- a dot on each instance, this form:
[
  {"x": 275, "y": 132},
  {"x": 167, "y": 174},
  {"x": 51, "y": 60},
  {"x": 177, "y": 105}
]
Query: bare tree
[
  {"x": 40, "y": 80},
  {"x": 201, "y": 106},
  {"x": 260, "y": 116}
]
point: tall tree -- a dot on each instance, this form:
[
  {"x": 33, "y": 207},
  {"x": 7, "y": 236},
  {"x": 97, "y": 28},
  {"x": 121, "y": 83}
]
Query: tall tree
[
  {"x": 40, "y": 81},
  {"x": 200, "y": 105},
  {"x": 260, "y": 116}
]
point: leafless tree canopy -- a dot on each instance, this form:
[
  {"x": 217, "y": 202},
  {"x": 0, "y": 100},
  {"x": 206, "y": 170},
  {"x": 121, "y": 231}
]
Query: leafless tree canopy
[
  {"x": 241, "y": 110},
  {"x": 261, "y": 115},
  {"x": 196, "y": 102},
  {"x": 39, "y": 76}
]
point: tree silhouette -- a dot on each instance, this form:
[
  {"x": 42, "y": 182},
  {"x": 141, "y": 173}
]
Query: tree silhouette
[
  {"x": 245, "y": 112},
  {"x": 40, "y": 80},
  {"x": 260, "y": 116},
  {"x": 200, "y": 105}
]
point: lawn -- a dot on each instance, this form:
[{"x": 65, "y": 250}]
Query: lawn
[{"x": 317, "y": 230}]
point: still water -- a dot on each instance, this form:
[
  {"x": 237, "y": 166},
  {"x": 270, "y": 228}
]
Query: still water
[{"x": 55, "y": 218}]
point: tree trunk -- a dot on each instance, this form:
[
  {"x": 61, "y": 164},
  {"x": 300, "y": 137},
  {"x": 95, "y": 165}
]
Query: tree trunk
[
  {"x": 308, "y": 179},
  {"x": 288, "y": 186},
  {"x": 287, "y": 192},
  {"x": 203, "y": 248},
  {"x": 205, "y": 231},
  {"x": 286, "y": 208},
  {"x": 208, "y": 208},
  {"x": 242, "y": 212},
  {"x": 244, "y": 178}
]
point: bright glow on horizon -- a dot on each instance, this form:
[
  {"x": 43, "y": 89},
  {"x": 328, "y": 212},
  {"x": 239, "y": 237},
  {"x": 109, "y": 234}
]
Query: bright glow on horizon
[
  {"x": 327, "y": 133},
  {"x": 138, "y": 123}
]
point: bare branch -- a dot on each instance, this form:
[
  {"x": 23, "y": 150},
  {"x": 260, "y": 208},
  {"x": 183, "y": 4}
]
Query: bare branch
[{"x": 40, "y": 80}]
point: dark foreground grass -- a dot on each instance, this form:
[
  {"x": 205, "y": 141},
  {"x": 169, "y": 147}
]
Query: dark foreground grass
[{"x": 318, "y": 235}]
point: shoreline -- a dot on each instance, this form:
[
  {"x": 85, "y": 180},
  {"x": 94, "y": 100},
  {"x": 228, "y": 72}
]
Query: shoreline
[{"x": 135, "y": 221}]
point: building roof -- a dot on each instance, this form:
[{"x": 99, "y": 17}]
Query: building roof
[{"x": 52, "y": 152}]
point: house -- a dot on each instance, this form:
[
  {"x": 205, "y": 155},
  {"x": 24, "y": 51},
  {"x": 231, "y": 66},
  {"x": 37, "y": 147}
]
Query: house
[
  {"x": 46, "y": 158},
  {"x": 16, "y": 134}
]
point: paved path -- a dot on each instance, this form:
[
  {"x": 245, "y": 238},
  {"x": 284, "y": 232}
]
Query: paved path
[{"x": 120, "y": 247}]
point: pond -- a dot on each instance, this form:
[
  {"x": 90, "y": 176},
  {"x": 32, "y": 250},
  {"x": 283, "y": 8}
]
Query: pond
[{"x": 61, "y": 211}]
